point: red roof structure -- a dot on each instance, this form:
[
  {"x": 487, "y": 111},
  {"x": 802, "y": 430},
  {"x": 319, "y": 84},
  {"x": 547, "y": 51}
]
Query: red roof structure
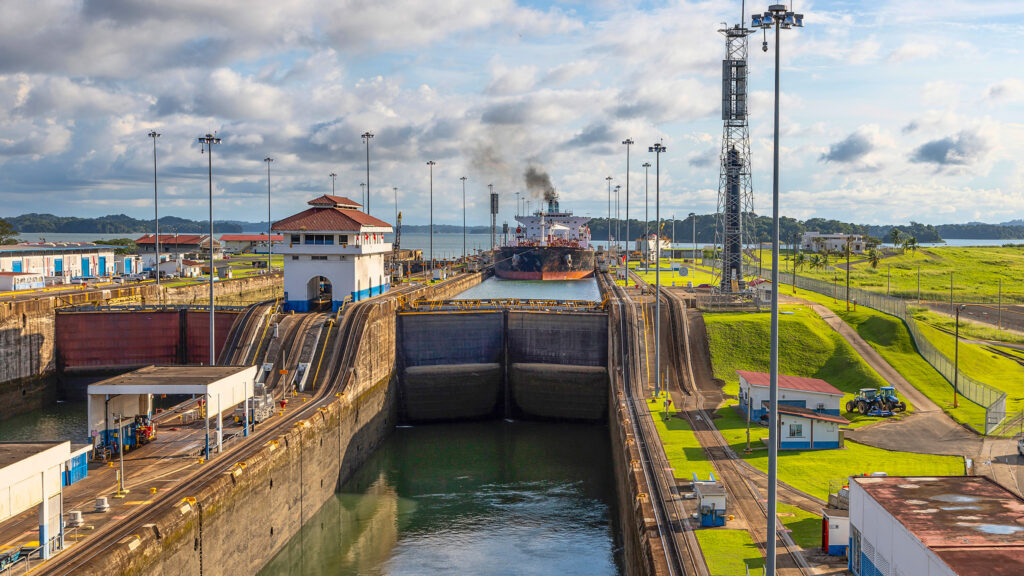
[
  {"x": 330, "y": 214},
  {"x": 173, "y": 239},
  {"x": 790, "y": 382},
  {"x": 250, "y": 238},
  {"x": 335, "y": 202},
  {"x": 806, "y": 413}
]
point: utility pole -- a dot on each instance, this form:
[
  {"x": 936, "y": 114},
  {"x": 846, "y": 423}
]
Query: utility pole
[
  {"x": 657, "y": 148},
  {"x": 463, "y": 219},
  {"x": 627, "y": 142},
  {"x": 431, "y": 164},
  {"x": 999, "y": 305},
  {"x": 609, "y": 248},
  {"x": 367, "y": 136},
  {"x": 270, "y": 240},
  {"x": 206, "y": 143},
  {"x": 848, "y": 239},
  {"x": 333, "y": 178},
  {"x": 156, "y": 218},
  {"x": 956, "y": 354},
  {"x": 647, "y": 218}
]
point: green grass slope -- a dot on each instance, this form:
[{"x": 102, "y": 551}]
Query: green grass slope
[{"x": 807, "y": 347}]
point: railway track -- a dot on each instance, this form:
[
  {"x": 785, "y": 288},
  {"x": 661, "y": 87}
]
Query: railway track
[
  {"x": 682, "y": 551},
  {"x": 237, "y": 350}
]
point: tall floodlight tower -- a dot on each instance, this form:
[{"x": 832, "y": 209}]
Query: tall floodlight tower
[{"x": 735, "y": 226}]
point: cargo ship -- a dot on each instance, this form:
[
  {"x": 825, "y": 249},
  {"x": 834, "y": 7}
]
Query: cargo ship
[{"x": 547, "y": 245}]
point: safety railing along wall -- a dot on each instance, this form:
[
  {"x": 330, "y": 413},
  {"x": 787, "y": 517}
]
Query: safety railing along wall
[{"x": 992, "y": 399}]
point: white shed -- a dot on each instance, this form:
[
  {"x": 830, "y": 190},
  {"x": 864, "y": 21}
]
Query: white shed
[{"x": 30, "y": 475}]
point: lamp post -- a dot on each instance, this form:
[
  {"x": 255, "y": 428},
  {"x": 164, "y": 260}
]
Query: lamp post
[
  {"x": 779, "y": 18},
  {"x": 333, "y": 178},
  {"x": 657, "y": 148},
  {"x": 463, "y": 219},
  {"x": 431, "y": 164},
  {"x": 618, "y": 231},
  {"x": 609, "y": 247},
  {"x": 627, "y": 142},
  {"x": 270, "y": 240},
  {"x": 517, "y": 204},
  {"x": 362, "y": 193},
  {"x": 156, "y": 216},
  {"x": 206, "y": 143},
  {"x": 693, "y": 217},
  {"x": 395, "y": 189},
  {"x": 367, "y": 136},
  {"x": 647, "y": 218},
  {"x": 956, "y": 353}
]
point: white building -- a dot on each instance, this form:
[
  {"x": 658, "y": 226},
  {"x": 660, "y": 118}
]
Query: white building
[
  {"x": 928, "y": 526},
  {"x": 332, "y": 251},
  {"x": 176, "y": 247},
  {"x": 808, "y": 409},
  {"x": 818, "y": 242},
  {"x": 31, "y": 474},
  {"x": 14, "y": 281},
  {"x": 59, "y": 259}
]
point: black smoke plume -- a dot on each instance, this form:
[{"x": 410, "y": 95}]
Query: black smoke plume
[{"x": 539, "y": 183}]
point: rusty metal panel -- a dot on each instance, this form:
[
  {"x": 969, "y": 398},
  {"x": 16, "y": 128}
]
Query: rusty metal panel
[
  {"x": 116, "y": 338},
  {"x": 197, "y": 334}
]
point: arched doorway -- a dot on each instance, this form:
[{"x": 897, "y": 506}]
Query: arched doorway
[{"x": 319, "y": 293}]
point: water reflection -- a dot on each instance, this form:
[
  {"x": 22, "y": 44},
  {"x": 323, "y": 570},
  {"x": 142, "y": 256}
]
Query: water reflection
[{"x": 474, "y": 498}]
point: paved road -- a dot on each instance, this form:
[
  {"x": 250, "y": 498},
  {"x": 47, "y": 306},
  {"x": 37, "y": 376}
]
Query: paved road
[
  {"x": 928, "y": 430},
  {"x": 1010, "y": 317}
]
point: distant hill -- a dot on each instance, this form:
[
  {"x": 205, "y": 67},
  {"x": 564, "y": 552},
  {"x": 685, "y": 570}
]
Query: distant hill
[{"x": 114, "y": 224}]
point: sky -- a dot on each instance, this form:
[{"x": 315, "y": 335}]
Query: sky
[{"x": 891, "y": 111}]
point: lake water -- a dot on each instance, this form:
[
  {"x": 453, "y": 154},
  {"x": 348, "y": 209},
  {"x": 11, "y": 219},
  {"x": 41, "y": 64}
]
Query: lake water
[{"x": 469, "y": 498}]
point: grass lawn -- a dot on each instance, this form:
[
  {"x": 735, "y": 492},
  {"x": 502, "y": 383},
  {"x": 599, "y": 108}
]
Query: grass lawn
[
  {"x": 729, "y": 552},
  {"x": 890, "y": 337},
  {"x": 811, "y": 470},
  {"x": 969, "y": 330},
  {"x": 976, "y": 272},
  {"x": 807, "y": 347},
  {"x": 805, "y": 527},
  {"x": 983, "y": 364},
  {"x": 681, "y": 446}
]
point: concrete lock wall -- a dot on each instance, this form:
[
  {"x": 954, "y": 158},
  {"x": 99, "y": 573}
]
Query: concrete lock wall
[
  {"x": 27, "y": 329},
  {"x": 453, "y": 391},
  {"x": 579, "y": 339},
  {"x": 556, "y": 391}
]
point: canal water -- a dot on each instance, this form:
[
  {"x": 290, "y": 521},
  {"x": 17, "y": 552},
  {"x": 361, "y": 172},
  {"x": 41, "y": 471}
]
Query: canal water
[
  {"x": 495, "y": 287},
  {"x": 58, "y": 421},
  {"x": 490, "y": 497}
]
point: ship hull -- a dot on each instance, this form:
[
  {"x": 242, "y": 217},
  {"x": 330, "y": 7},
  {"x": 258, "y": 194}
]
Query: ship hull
[{"x": 543, "y": 263}]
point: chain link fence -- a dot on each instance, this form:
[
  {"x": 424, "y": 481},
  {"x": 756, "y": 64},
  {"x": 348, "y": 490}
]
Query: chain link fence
[{"x": 992, "y": 399}]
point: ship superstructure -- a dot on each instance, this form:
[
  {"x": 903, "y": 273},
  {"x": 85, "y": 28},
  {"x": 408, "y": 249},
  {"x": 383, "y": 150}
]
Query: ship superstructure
[{"x": 549, "y": 244}]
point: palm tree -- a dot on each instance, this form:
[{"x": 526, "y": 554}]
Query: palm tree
[
  {"x": 874, "y": 258},
  {"x": 817, "y": 261},
  {"x": 799, "y": 260},
  {"x": 894, "y": 236},
  {"x": 912, "y": 244},
  {"x": 824, "y": 257}
]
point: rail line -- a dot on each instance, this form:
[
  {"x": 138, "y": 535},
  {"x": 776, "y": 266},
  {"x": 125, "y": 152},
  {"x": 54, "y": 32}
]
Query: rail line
[
  {"x": 742, "y": 481},
  {"x": 682, "y": 551}
]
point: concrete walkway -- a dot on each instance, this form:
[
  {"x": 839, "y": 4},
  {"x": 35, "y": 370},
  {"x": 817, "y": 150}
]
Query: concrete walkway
[{"x": 928, "y": 430}]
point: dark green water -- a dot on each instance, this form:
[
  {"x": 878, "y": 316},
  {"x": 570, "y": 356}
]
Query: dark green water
[
  {"x": 58, "y": 421},
  {"x": 469, "y": 498}
]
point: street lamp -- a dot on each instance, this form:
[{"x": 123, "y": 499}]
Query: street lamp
[
  {"x": 156, "y": 217},
  {"x": 270, "y": 241},
  {"x": 779, "y": 18},
  {"x": 367, "y": 136},
  {"x": 627, "y": 142},
  {"x": 206, "y": 145},
  {"x": 647, "y": 218},
  {"x": 362, "y": 193},
  {"x": 956, "y": 353},
  {"x": 657, "y": 148},
  {"x": 333, "y": 178},
  {"x": 619, "y": 235},
  {"x": 693, "y": 217},
  {"x": 431, "y": 164},
  {"x": 395, "y": 189},
  {"x": 609, "y": 247},
  {"x": 463, "y": 219}
]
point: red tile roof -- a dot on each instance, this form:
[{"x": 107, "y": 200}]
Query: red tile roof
[
  {"x": 172, "y": 239},
  {"x": 807, "y": 413},
  {"x": 250, "y": 238},
  {"x": 334, "y": 201},
  {"x": 790, "y": 382},
  {"x": 329, "y": 219}
]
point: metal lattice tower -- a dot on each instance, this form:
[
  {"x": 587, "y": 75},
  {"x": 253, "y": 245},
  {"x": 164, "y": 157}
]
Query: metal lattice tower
[{"x": 734, "y": 227}]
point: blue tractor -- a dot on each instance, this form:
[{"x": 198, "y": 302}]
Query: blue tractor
[
  {"x": 868, "y": 402},
  {"x": 890, "y": 401}
]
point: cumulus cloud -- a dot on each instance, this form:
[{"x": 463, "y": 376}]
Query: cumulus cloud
[
  {"x": 914, "y": 50},
  {"x": 964, "y": 148},
  {"x": 708, "y": 157},
  {"x": 1009, "y": 90}
]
